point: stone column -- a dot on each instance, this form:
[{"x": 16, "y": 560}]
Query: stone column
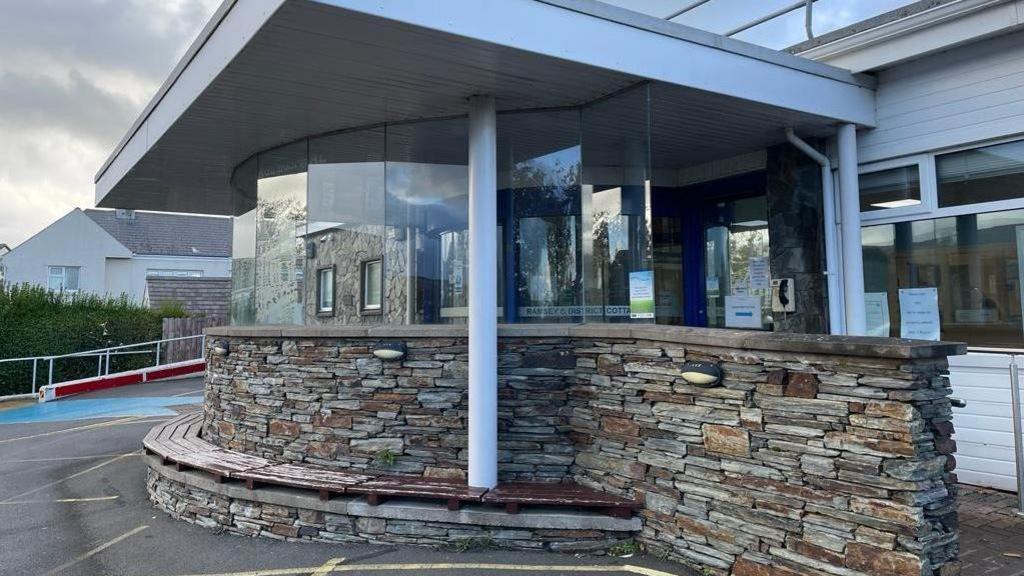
[{"x": 483, "y": 293}]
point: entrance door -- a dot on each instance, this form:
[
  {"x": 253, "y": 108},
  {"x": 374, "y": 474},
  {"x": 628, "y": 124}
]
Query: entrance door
[
  {"x": 710, "y": 244},
  {"x": 736, "y": 275}
]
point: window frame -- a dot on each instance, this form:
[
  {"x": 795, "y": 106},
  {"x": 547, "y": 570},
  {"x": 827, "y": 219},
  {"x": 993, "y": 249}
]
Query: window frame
[
  {"x": 930, "y": 188},
  {"x": 63, "y": 277},
  {"x": 926, "y": 178},
  {"x": 320, "y": 309},
  {"x": 364, "y": 284}
]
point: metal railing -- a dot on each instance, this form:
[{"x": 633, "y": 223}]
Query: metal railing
[{"x": 103, "y": 357}]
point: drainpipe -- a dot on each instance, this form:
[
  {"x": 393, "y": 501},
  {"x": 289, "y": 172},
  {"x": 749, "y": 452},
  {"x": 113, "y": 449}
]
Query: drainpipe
[{"x": 835, "y": 295}]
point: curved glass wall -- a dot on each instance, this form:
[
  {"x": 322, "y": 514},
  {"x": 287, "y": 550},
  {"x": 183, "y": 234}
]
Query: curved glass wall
[{"x": 380, "y": 216}]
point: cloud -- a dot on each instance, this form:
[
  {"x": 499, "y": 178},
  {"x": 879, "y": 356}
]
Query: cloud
[{"x": 74, "y": 75}]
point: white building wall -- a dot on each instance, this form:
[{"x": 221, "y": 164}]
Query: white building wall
[
  {"x": 966, "y": 94},
  {"x": 73, "y": 240}
]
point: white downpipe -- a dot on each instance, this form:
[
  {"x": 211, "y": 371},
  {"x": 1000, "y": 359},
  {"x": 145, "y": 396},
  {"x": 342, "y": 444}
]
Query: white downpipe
[
  {"x": 483, "y": 293},
  {"x": 836, "y": 322},
  {"x": 849, "y": 209}
]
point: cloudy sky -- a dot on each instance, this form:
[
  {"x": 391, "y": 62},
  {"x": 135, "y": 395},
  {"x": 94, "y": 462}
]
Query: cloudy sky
[{"x": 74, "y": 74}]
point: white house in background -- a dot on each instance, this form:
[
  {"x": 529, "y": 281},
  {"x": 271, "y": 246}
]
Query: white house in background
[{"x": 112, "y": 252}]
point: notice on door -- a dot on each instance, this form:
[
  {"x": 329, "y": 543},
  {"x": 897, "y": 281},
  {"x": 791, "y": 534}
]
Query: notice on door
[
  {"x": 760, "y": 278},
  {"x": 919, "y": 313},
  {"x": 641, "y": 294},
  {"x": 876, "y": 313},
  {"x": 743, "y": 312}
]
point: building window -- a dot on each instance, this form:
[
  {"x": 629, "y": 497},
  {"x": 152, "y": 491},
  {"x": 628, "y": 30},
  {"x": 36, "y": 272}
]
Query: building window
[
  {"x": 325, "y": 291},
  {"x": 972, "y": 261},
  {"x": 62, "y": 278},
  {"x": 372, "y": 284},
  {"x": 893, "y": 188},
  {"x": 986, "y": 174},
  {"x": 168, "y": 272}
]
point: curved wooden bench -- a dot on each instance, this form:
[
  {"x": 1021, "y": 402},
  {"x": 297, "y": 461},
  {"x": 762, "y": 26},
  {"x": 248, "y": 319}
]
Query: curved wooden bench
[{"x": 179, "y": 441}]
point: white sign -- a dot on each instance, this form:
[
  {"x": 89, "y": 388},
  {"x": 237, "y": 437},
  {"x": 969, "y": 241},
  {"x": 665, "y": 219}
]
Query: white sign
[
  {"x": 876, "y": 309},
  {"x": 641, "y": 294},
  {"x": 760, "y": 279},
  {"x": 919, "y": 313},
  {"x": 743, "y": 312}
]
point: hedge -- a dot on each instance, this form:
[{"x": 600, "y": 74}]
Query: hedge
[{"x": 37, "y": 322}]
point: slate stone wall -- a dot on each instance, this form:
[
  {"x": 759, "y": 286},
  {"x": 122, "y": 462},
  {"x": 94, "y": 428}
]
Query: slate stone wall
[
  {"x": 331, "y": 402},
  {"x": 221, "y": 507},
  {"x": 816, "y": 455},
  {"x": 795, "y": 217}
]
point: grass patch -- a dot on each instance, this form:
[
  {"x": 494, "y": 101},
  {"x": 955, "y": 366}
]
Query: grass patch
[
  {"x": 625, "y": 548},
  {"x": 475, "y": 544}
]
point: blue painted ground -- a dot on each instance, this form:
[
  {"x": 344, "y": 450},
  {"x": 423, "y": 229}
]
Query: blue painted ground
[{"x": 71, "y": 409}]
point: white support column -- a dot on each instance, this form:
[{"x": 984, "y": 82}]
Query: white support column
[
  {"x": 483, "y": 293},
  {"x": 849, "y": 208}
]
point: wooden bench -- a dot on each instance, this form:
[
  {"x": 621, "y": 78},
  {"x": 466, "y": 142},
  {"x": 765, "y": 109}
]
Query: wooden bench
[
  {"x": 453, "y": 492},
  {"x": 179, "y": 441},
  {"x": 514, "y": 495},
  {"x": 325, "y": 482}
]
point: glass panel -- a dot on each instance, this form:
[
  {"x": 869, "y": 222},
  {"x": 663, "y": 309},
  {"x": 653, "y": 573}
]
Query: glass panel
[
  {"x": 668, "y": 270},
  {"x": 615, "y": 202},
  {"x": 55, "y": 278},
  {"x": 243, "y": 270},
  {"x": 372, "y": 284},
  {"x": 981, "y": 175},
  {"x": 971, "y": 260},
  {"x": 736, "y": 244},
  {"x": 539, "y": 190},
  {"x": 71, "y": 278},
  {"x": 427, "y": 219},
  {"x": 280, "y": 231},
  {"x": 346, "y": 216},
  {"x": 325, "y": 289},
  {"x": 894, "y": 188}
]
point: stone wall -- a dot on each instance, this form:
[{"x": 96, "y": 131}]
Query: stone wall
[
  {"x": 797, "y": 237},
  {"x": 817, "y": 455},
  {"x": 328, "y": 401},
  {"x": 284, "y": 514}
]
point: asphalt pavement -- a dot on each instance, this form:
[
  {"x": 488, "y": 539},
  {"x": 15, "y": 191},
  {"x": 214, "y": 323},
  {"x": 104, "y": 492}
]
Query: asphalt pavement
[{"x": 73, "y": 502}]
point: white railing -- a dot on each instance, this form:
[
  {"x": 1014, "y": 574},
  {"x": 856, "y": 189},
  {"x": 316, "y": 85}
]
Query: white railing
[{"x": 103, "y": 356}]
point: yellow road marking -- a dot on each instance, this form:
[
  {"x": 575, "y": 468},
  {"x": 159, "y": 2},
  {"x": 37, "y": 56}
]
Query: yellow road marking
[
  {"x": 200, "y": 391},
  {"x": 66, "y": 478},
  {"x": 59, "y": 501},
  {"x": 314, "y": 570},
  {"x": 96, "y": 550},
  {"x": 328, "y": 567},
  {"x": 129, "y": 420}
]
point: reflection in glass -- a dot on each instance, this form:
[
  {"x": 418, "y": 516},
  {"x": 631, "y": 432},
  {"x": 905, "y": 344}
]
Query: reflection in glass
[
  {"x": 894, "y": 188},
  {"x": 981, "y": 175},
  {"x": 346, "y": 216},
  {"x": 427, "y": 206},
  {"x": 280, "y": 230},
  {"x": 539, "y": 185},
  {"x": 973, "y": 261},
  {"x": 616, "y": 201},
  {"x": 243, "y": 245}
]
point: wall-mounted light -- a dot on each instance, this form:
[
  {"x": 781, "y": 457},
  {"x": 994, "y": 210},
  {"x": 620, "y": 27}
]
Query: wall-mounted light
[
  {"x": 221, "y": 348},
  {"x": 389, "y": 350},
  {"x": 703, "y": 374}
]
